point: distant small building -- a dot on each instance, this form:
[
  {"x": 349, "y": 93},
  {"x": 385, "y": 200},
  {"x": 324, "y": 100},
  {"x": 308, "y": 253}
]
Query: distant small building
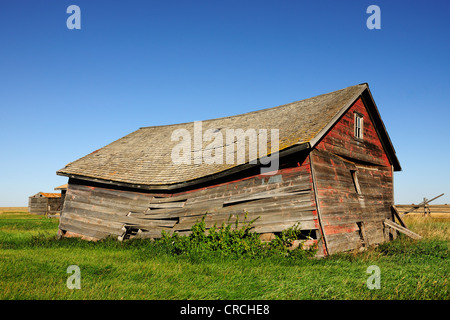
[{"x": 44, "y": 203}]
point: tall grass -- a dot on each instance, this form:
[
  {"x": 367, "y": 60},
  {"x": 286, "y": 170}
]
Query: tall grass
[{"x": 429, "y": 227}]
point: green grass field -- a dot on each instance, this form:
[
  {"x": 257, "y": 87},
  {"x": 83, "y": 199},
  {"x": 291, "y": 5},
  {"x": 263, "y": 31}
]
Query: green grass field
[{"x": 33, "y": 265}]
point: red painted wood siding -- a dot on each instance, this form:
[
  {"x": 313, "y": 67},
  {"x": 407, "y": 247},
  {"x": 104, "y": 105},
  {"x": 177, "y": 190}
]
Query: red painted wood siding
[
  {"x": 342, "y": 209},
  {"x": 341, "y": 140}
]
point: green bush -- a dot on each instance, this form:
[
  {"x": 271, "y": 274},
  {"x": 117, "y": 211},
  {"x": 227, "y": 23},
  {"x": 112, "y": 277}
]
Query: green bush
[{"x": 232, "y": 239}]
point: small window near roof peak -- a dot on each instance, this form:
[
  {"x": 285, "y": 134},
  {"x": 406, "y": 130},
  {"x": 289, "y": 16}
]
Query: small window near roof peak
[{"x": 358, "y": 126}]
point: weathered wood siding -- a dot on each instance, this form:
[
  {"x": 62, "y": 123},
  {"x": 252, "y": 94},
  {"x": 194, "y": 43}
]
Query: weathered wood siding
[
  {"x": 54, "y": 205},
  {"x": 278, "y": 201},
  {"x": 37, "y": 205},
  {"x": 43, "y": 205},
  {"x": 351, "y": 220}
]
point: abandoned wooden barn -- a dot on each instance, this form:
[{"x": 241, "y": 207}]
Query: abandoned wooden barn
[{"x": 333, "y": 175}]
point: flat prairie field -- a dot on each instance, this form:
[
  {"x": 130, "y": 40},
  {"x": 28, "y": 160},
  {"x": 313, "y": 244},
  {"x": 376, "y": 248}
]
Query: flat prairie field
[
  {"x": 35, "y": 265},
  {"x": 13, "y": 209}
]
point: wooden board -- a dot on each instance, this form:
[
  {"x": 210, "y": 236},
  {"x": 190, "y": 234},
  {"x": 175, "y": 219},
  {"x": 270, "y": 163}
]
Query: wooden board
[{"x": 401, "y": 229}]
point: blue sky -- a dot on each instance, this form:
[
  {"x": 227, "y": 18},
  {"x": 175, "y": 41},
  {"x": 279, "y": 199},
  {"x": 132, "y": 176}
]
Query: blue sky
[{"x": 65, "y": 93}]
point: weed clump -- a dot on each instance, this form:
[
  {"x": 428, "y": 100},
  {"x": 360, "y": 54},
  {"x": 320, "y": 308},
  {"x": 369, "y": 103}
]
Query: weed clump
[{"x": 233, "y": 239}]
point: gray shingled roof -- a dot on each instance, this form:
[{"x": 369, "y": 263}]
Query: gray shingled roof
[{"x": 143, "y": 157}]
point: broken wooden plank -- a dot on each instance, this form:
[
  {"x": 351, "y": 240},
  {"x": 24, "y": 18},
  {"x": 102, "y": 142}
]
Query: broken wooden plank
[
  {"x": 151, "y": 234},
  {"x": 362, "y": 230},
  {"x": 242, "y": 191},
  {"x": 397, "y": 215},
  {"x": 401, "y": 229},
  {"x": 166, "y": 205},
  {"x": 172, "y": 198},
  {"x": 263, "y": 196}
]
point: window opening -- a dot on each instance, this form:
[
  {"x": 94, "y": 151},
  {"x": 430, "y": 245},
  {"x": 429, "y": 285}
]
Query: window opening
[{"x": 358, "y": 126}]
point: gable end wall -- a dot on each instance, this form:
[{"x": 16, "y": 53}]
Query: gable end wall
[{"x": 351, "y": 220}]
